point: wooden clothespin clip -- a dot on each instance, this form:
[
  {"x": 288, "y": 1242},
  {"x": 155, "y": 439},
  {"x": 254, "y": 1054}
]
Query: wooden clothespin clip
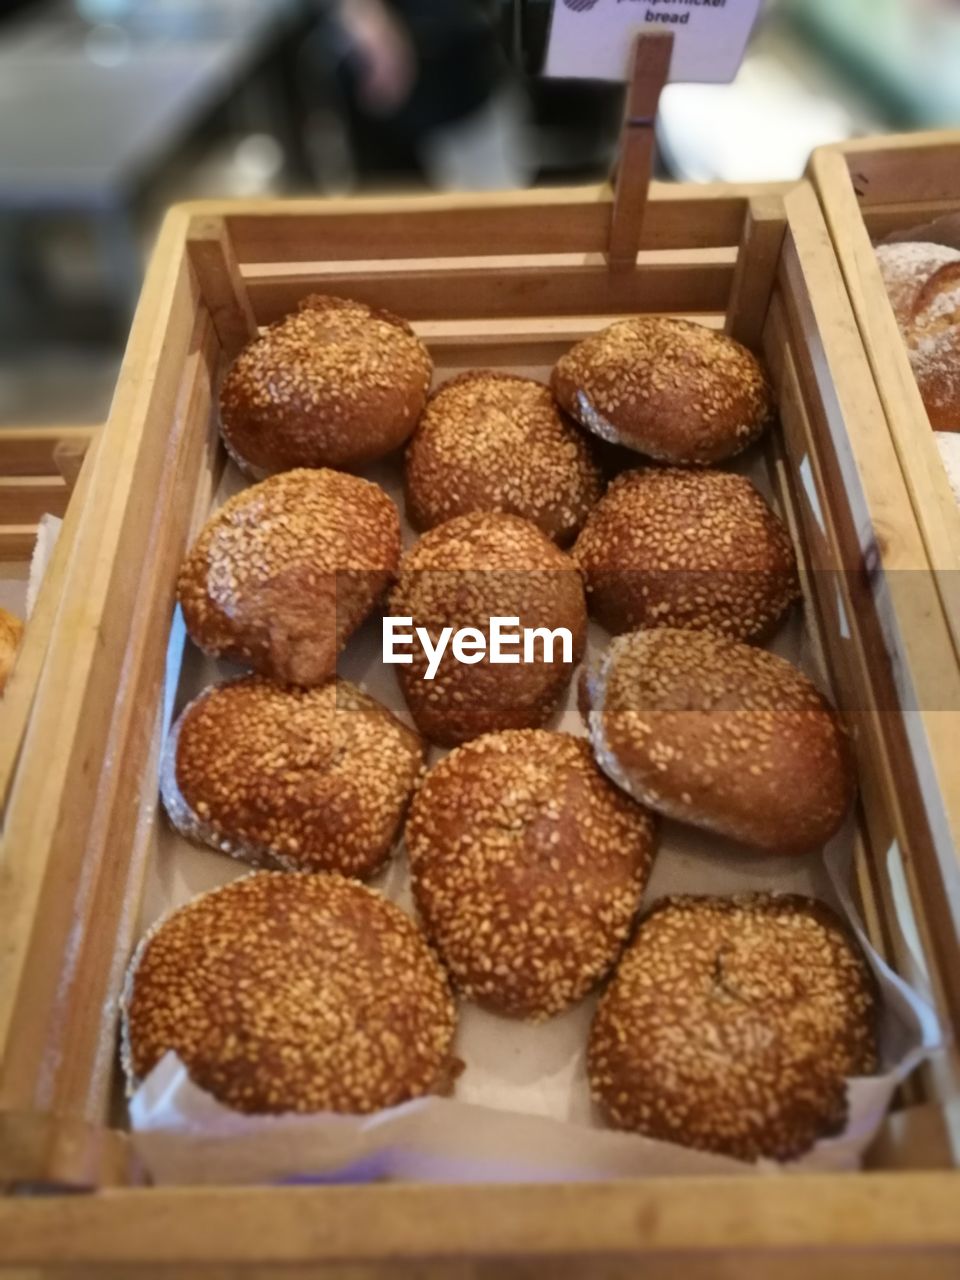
[{"x": 649, "y": 70}]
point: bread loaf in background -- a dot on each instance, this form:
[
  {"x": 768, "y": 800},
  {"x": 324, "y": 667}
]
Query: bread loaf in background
[{"x": 923, "y": 281}]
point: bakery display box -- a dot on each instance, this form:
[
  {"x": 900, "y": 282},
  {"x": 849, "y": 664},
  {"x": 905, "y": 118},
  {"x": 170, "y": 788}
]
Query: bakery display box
[
  {"x": 870, "y": 188},
  {"x": 504, "y": 281}
]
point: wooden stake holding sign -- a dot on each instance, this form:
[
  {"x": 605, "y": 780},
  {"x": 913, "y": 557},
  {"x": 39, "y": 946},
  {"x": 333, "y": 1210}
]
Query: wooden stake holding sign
[{"x": 650, "y": 67}]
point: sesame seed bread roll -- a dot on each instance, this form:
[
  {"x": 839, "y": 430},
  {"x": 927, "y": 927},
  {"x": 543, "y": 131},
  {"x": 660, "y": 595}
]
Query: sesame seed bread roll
[
  {"x": 496, "y": 442},
  {"x": 335, "y": 384},
  {"x": 298, "y": 779},
  {"x": 11, "y": 633},
  {"x": 462, "y": 574},
  {"x": 923, "y": 281},
  {"x": 721, "y": 735},
  {"x": 284, "y": 573},
  {"x": 672, "y": 390},
  {"x": 527, "y": 869},
  {"x": 701, "y": 549},
  {"x": 291, "y": 992},
  {"x": 732, "y": 1025}
]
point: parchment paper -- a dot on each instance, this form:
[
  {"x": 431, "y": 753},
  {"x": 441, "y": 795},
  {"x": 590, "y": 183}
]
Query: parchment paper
[{"x": 522, "y": 1109}]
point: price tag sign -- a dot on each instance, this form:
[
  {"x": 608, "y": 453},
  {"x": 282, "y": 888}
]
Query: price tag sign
[{"x": 592, "y": 39}]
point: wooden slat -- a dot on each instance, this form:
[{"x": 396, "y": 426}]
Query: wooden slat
[
  {"x": 920, "y": 167},
  {"x": 650, "y": 67},
  {"x": 503, "y": 286},
  {"x": 119, "y": 842},
  {"x": 908, "y": 425},
  {"x": 756, "y": 271},
  {"x": 889, "y": 578},
  {"x": 35, "y": 1148},
  {"x": 883, "y": 219},
  {"x": 860, "y": 1228},
  {"x": 560, "y": 220},
  {"x": 24, "y": 499},
  {"x": 852, "y": 629},
  {"x": 21, "y": 687},
  {"x": 51, "y": 801},
  {"x": 221, "y": 287},
  {"x": 30, "y": 451},
  {"x": 16, "y": 541}
]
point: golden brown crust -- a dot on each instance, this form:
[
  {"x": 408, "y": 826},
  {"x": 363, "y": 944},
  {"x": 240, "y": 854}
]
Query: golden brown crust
[
  {"x": 462, "y": 574},
  {"x": 923, "y": 281},
  {"x": 491, "y": 441},
  {"x": 291, "y": 992},
  {"x": 302, "y": 779},
  {"x": 334, "y": 384},
  {"x": 527, "y": 868},
  {"x": 11, "y": 633},
  {"x": 722, "y": 735},
  {"x": 698, "y": 549},
  {"x": 283, "y": 573},
  {"x": 672, "y": 390},
  {"x": 732, "y": 1025}
]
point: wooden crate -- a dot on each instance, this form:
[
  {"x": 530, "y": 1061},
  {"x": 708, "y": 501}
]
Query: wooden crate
[
  {"x": 506, "y": 280},
  {"x": 43, "y": 470},
  {"x": 39, "y": 467},
  {"x": 869, "y": 188}
]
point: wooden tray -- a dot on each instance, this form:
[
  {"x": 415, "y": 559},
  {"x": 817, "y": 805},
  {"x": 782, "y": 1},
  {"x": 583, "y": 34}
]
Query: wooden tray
[
  {"x": 507, "y": 280},
  {"x": 869, "y": 188}
]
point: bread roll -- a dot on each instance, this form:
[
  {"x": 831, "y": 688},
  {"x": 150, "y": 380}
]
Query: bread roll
[
  {"x": 733, "y": 1024},
  {"x": 335, "y": 384},
  {"x": 290, "y": 992},
  {"x": 923, "y": 281},
  {"x": 301, "y": 779},
  {"x": 527, "y": 868},
  {"x": 285, "y": 572},
  {"x": 11, "y": 633},
  {"x": 675, "y": 548},
  {"x": 672, "y": 390},
  {"x": 722, "y": 735},
  {"x": 462, "y": 574},
  {"x": 494, "y": 442}
]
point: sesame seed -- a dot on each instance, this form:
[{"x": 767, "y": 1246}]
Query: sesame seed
[
  {"x": 284, "y": 572},
  {"x": 301, "y": 779},
  {"x": 760, "y": 752},
  {"x": 491, "y": 441},
  {"x": 732, "y": 1024},
  {"x": 288, "y": 992},
  {"x": 461, "y": 574},
  {"x": 667, "y": 547},
  {"x": 670, "y": 389},
  {"x": 335, "y": 384},
  {"x": 526, "y": 864}
]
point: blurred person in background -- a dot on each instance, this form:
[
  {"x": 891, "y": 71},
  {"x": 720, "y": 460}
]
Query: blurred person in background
[{"x": 426, "y": 83}]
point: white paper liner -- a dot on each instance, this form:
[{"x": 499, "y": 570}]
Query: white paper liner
[
  {"x": 48, "y": 531},
  {"x": 522, "y": 1109}
]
